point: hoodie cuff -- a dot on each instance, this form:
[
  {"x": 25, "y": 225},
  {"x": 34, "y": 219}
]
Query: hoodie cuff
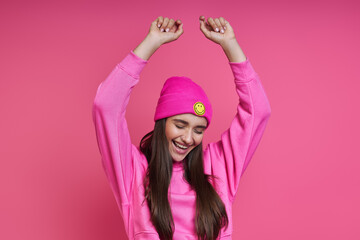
[
  {"x": 243, "y": 71},
  {"x": 133, "y": 64}
]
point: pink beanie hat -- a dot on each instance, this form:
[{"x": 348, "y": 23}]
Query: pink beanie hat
[{"x": 181, "y": 95}]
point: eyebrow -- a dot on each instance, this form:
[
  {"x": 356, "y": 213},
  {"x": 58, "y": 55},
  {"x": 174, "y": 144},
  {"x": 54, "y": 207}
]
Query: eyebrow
[{"x": 186, "y": 123}]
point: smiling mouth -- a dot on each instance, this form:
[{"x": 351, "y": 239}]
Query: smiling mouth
[{"x": 182, "y": 147}]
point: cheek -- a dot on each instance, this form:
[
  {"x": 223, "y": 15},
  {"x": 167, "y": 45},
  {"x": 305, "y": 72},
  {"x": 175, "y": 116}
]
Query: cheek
[
  {"x": 168, "y": 132},
  {"x": 171, "y": 132},
  {"x": 198, "y": 139}
]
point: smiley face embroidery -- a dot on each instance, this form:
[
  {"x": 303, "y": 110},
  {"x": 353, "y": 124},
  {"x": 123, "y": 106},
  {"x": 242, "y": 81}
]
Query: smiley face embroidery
[{"x": 199, "y": 108}]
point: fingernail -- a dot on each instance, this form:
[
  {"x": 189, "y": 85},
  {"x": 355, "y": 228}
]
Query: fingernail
[
  {"x": 158, "y": 25},
  {"x": 216, "y": 29},
  {"x": 167, "y": 29},
  {"x": 222, "y": 31},
  {"x": 224, "y": 27},
  {"x": 161, "y": 30}
]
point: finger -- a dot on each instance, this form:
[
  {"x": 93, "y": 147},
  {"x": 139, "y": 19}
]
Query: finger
[
  {"x": 227, "y": 24},
  {"x": 170, "y": 25},
  {"x": 156, "y": 22},
  {"x": 176, "y": 26},
  {"x": 217, "y": 21},
  {"x": 213, "y": 24},
  {"x": 204, "y": 29},
  {"x": 160, "y": 20},
  {"x": 222, "y": 21},
  {"x": 164, "y": 25},
  {"x": 179, "y": 31},
  {"x": 207, "y": 26}
]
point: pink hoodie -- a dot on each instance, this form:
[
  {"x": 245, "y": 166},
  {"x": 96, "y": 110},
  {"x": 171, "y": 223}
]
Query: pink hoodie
[{"x": 125, "y": 165}]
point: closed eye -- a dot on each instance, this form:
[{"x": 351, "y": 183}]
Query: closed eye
[{"x": 198, "y": 132}]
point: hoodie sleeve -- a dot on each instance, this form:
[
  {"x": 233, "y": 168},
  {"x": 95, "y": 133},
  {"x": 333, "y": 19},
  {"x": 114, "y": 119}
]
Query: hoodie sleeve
[
  {"x": 228, "y": 158},
  {"x": 112, "y": 133}
]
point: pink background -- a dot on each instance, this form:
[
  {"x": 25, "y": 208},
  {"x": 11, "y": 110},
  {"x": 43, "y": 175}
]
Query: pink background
[{"x": 303, "y": 181}]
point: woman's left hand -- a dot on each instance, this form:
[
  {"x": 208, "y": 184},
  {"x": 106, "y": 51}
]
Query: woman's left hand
[{"x": 217, "y": 30}]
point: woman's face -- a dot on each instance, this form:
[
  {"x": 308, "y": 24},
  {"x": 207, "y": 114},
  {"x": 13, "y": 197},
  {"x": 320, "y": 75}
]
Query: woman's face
[{"x": 184, "y": 132}]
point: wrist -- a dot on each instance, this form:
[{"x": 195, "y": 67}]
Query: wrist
[
  {"x": 152, "y": 41},
  {"x": 146, "y": 48},
  {"x": 229, "y": 44},
  {"x": 233, "y": 51}
]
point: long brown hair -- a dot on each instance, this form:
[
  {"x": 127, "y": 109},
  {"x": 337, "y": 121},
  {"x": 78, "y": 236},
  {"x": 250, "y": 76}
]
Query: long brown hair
[{"x": 211, "y": 214}]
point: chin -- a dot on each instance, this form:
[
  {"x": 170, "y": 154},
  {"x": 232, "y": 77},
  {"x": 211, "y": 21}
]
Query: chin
[{"x": 177, "y": 158}]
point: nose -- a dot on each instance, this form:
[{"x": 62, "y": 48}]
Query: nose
[{"x": 187, "y": 137}]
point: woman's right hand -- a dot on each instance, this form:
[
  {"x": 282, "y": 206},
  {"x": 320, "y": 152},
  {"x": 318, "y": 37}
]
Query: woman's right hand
[
  {"x": 156, "y": 37},
  {"x": 165, "y": 30}
]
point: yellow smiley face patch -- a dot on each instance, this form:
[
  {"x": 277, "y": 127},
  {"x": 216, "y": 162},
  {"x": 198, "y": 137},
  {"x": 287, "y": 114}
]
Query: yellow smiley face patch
[{"x": 199, "y": 108}]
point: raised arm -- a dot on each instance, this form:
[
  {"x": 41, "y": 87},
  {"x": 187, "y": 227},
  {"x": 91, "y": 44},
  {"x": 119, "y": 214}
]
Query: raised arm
[
  {"x": 110, "y": 104},
  {"x": 229, "y": 157}
]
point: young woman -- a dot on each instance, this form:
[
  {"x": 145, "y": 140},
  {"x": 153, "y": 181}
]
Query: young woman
[{"x": 169, "y": 187}]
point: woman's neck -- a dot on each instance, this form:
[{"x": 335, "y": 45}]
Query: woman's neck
[{"x": 177, "y": 165}]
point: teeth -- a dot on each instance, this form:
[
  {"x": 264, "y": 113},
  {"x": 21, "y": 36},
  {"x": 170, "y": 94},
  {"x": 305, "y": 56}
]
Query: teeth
[{"x": 180, "y": 146}]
